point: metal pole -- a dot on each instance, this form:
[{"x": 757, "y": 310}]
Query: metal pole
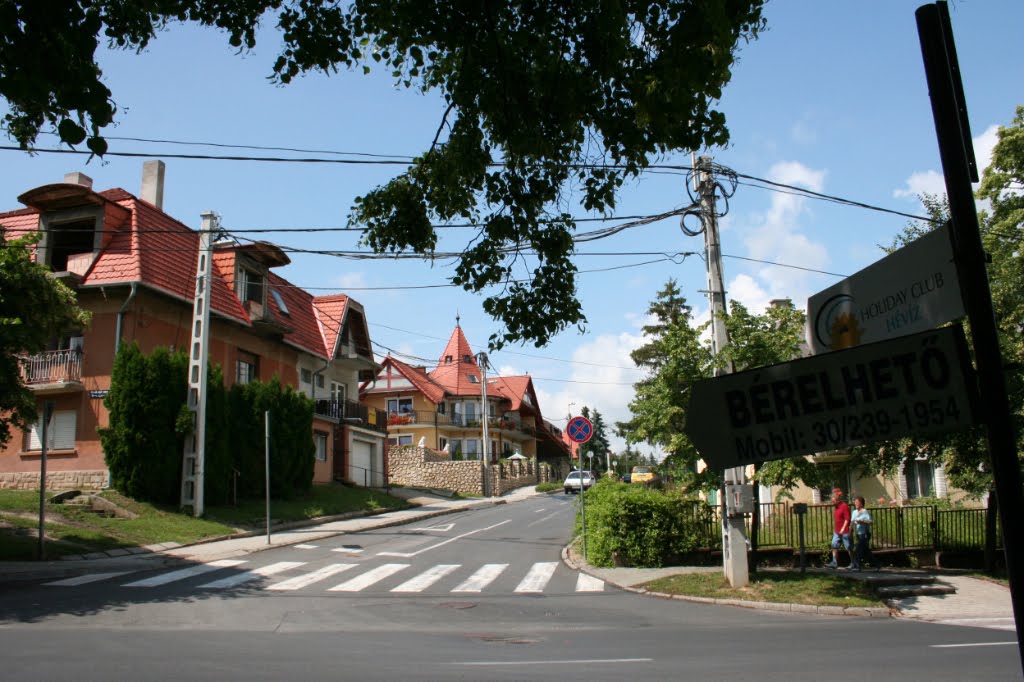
[
  {"x": 955, "y": 150},
  {"x": 484, "y": 416},
  {"x": 47, "y": 413},
  {"x": 266, "y": 423}
]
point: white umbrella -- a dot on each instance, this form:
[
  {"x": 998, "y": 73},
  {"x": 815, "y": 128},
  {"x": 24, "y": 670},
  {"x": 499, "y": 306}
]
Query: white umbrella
[{"x": 516, "y": 456}]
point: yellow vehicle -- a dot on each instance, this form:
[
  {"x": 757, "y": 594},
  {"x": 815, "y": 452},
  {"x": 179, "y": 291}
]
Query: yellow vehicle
[{"x": 645, "y": 475}]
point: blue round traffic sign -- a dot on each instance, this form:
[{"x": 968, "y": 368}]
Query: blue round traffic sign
[{"x": 580, "y": 429}]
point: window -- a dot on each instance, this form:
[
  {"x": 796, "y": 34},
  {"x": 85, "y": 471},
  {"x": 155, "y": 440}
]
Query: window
[
  {"x": 246, "y": 368},
  {"x": 442, "y": 442},
  {"x": 400, "y": 440},
  {"x": 306, "y": 375},
  {"x": 920, "y": 476},
  {"x": 320, "y": 440},
  {"x": 467, "y": 359},
  {"x": 280, "y": 302},
  {"x": 250, "y": 286},
  {"x": 473, "y": 379},
  {"x": 69, "y": 239},
  {"x": 471, "y": 448},
  {"x": 319, "y": 380},
  {"x": 338, "y": 391},
  {"x": 506, "y": 448},
  {"x": 60, "y": 432},
  {"x": 399, "y": 405},
  {"x": 469, "y": 407},
  {"x": 442, "y": 408},
  {"x": 447, "y": 359}
]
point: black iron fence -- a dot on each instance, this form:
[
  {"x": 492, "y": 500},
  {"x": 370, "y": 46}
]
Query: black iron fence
[
  {"x": 352, "y": 412},
  {"x": 894, "y": 527}
]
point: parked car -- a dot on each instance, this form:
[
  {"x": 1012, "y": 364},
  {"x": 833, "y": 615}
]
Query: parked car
[
  {"x": 577, "y": 479},
  {"x": 645, "y": 475},
  {"x": 626, "y": 478}
]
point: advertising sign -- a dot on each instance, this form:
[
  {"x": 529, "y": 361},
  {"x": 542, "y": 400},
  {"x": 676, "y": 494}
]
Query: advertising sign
[
  {"x": 910, "y": 290},
  {"x": 910, "y": 385}
]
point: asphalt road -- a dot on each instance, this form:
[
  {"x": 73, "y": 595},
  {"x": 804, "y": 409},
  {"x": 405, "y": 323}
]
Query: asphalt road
[{"x": 473, "y": 595}]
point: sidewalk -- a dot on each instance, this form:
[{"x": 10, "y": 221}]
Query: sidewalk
[
  {"x": 166, "y": 554},
  {"x": 976, "y": 602}
]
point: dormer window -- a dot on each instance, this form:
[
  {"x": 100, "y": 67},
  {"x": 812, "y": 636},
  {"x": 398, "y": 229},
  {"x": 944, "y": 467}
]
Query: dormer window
[
  {"x": 467, "y": 358},
  {"x": 250, "y": 286},
  {"x": 473, "y": 379},
  {"x": 447, "y": 359},
  {"x": 70, "y": 239}
]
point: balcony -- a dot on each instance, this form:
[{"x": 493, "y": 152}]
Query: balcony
[
  {"x": 352, "y": 413},
  {"x": 457, "y": 421},
  {"x": 52, "y": 371}
]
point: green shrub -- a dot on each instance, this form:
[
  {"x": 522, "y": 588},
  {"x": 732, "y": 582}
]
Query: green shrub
[
  {"x": 643, "y": 526},
  {"x": 549, "y": 486}
]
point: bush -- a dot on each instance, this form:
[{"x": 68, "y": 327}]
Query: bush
[
  {"x": 643, "y": 526},
  {"x": 548, "y": 487}
]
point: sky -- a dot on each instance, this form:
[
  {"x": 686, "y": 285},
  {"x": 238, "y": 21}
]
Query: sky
[{"x": 831, "y": 97}]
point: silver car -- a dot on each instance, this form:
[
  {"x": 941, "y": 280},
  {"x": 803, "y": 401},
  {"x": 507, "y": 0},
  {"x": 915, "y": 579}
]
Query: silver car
[{"x": 577, "y": 480}]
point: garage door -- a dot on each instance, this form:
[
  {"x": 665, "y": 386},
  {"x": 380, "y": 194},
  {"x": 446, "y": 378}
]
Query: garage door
[{"x": 360, "y": 465}]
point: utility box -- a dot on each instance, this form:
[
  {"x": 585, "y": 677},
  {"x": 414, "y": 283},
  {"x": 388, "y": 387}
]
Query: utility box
[{"x": 739, "y": 499}]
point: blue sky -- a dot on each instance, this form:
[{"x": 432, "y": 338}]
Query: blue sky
[{"x": 832, "y": 97}]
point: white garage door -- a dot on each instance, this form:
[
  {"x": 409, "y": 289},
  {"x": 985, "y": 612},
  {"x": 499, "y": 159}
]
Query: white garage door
[{"x": 360, "y": 464}]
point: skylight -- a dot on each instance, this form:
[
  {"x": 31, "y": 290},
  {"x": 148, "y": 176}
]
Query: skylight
[{"x": 280, "y": 301}]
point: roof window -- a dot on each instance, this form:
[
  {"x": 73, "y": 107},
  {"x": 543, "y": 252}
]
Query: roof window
[
  {"x": 473, "y": 379},
  {"x": 280, "y": 301}
]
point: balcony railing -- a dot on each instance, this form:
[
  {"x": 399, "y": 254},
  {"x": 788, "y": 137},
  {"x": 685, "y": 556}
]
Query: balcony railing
[
  {"x": 51, "y": 367},
  {"x": 460, "y": 421},
  {"x": 353, "y": 413}
]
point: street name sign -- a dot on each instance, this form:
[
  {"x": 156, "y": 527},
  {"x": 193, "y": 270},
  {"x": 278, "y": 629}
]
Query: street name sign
[
  {"x": 912, "y": 289},
  {"x": 909, "y": 385},
  {"x": 579, "y": 429}
]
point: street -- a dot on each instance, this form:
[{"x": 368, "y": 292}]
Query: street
[{"x": 479, "y": 594}]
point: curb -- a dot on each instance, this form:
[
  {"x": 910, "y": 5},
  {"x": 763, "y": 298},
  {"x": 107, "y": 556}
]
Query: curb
[{"x": 856, "y": 611}]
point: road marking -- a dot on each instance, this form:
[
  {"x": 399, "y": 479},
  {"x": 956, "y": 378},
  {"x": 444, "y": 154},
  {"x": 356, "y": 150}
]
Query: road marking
[
  {"x": 246, "y": 576},
  {"x": 305, "y": 546},
  {"x": 440, "y": 528},
  {"x": 316, "y": 576},
  {"x": 588, "y": 583},
  {"x": 185, "y": 573},
  {"x": 484, "y": 576},
  {"x": 361, "y": 582},
  {"x": 407, "y": 555},
  {"x": 542, "y": 519},
  {"x": 349, "y": 550},
  {"x": 538, "y": 511},
  {"x": 1005, "y": 623},
  {"x": 578, "y": 661},
  {"x": 537, "y": 579},
  {"x": 84, "y": 579},
  {"x": 426, "y": 579},
  {"x": 957, "y": 646}
]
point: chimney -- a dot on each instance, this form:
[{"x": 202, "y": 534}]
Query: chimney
[
  {"x": 78, "y": 179},
  {"x": 153, "y": 183}
]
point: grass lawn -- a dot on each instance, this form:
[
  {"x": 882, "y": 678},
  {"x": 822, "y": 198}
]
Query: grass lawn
[
  {"x": 773, "y": 586},
  {"x": 73, "y": 531}
]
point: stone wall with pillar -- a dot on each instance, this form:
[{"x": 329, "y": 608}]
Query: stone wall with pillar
[{"x": 55, "y": 480}]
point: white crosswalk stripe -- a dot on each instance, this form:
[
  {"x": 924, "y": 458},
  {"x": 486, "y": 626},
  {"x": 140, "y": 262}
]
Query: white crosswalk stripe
[
  {"x": 537, "y": 579},
  {"x": 588, "y": 583},
  {"x": 308, "y": 579},
  {"x": 426, "y": 579},
  {"x": 484, "y": 576},
  {"x": 247, "y": 576},
  {"x": 371, "y": 577},
  {"x": 85, "y": 579},
  {"x": 305, "y": 546},
  {"x": 992, "y": 623},
  {"x": 184, "y": 573}
]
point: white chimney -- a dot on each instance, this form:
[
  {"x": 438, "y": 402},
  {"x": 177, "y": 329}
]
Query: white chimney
[
  {"x": 78, "y": 179},
  {"x": 153, "y": 183}
]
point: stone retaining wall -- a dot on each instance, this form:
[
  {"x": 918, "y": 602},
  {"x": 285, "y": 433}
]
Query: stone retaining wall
[
  {"x": 423, "y": 468},
  {"x": 55, "y": 480}
]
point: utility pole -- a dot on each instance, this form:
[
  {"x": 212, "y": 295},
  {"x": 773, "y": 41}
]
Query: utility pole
[
  {"x": 193, "y": 462},
  {"x": 734, "y": 541},
  {"x": 481, "y": 358}
]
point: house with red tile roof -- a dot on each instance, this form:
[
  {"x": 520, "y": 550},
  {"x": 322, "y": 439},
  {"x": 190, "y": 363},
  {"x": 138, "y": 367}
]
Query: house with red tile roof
[
  {"x": 443, "y": 408},
  {"x": 134, "y": 267}
]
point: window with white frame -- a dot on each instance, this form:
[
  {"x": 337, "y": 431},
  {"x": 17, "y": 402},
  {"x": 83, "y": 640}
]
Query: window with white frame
[
  {"x": 920, "y": 475},
  {"x": 471, "y": 448},
  {"x": 250, "y": 286},
  {"x": 247, "y": 368},
  {"x": 400, "y": 439},
  {"x": 338, "y": 391},
  {"x": 442, "y": 442},
  {"x": 320, "y": 440},
  {"x": 399, "y": 405},
  {"x": 60, "y": 432}
]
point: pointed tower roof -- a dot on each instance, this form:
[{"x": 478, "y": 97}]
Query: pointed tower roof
[{"x": 456, "y": 364}]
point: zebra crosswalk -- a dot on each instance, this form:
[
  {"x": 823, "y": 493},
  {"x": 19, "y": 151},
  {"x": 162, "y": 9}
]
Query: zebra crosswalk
[{"x": 397, "y": 578}]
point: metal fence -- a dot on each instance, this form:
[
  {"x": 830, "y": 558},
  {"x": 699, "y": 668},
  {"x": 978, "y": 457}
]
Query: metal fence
[{"x": 895, "y": 527}]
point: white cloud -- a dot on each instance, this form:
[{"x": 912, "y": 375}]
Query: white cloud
[
  {"x": 776, "y": 236},
  {"x": 932, "y": 181},
  {"x": 608, "y": 389},
  {"x": 351, "y": 280}
]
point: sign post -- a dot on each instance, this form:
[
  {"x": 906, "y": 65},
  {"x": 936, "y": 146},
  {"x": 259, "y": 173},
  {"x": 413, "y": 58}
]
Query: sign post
[{"x": 580, "y": 430}]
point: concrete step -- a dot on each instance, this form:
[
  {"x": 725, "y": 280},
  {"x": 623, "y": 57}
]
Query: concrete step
[{"x": 901, "y": 591}]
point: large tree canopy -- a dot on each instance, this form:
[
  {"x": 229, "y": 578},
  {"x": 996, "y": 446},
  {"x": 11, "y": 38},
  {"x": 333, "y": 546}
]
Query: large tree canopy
[
  {"x": 34, "y": 308},
  {"x": 550, "y": 104}
]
